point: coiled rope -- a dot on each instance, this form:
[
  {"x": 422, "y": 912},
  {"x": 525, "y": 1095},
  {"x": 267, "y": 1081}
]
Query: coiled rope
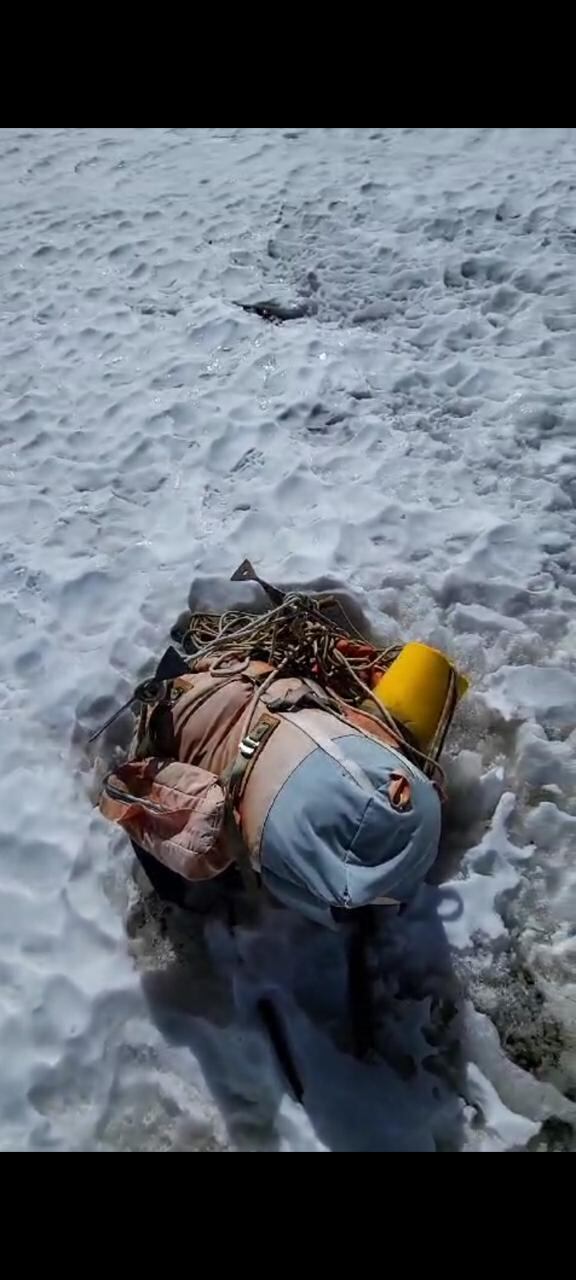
[{"x": 300, "y": 637}]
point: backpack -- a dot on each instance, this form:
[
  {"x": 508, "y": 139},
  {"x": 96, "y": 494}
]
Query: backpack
[{"x": 329, "y": 812}]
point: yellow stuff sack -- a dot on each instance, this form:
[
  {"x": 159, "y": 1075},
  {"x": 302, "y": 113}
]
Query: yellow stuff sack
[{"x": 416, "y": 688}]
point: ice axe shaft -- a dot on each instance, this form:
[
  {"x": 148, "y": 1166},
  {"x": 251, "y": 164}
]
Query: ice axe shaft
[
  {"x": 110, "y": 721},
  {"x": 148, "y": 691}
]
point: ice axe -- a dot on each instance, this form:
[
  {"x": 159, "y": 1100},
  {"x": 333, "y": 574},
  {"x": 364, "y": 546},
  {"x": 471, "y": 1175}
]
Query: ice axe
[
  {"x": 171, "y": 666},
  {"x": 247, "y": 573}
]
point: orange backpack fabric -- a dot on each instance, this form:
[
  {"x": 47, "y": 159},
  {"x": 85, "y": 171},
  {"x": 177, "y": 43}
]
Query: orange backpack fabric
[{"x": 174, "y": 811}]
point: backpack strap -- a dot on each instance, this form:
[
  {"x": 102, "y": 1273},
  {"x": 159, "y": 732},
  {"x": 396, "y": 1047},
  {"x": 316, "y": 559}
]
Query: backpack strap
[
  {"x": 250, "y": 747},
  {"x": 234, "y": 780}
]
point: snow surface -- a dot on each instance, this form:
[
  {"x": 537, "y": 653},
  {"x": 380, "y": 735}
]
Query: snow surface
[{"x": 411, "y": 436}]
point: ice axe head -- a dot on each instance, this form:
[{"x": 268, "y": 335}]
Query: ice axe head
[{"x": 247, "y": 573}]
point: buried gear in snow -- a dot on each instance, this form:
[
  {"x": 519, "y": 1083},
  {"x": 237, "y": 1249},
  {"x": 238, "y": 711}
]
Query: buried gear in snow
[{"x": 272, "y": 749}]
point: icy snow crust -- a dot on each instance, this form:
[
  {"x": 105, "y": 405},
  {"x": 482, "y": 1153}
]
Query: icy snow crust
[{"x": 409, "y": 436}]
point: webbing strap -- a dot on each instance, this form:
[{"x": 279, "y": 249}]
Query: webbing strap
[
  {"x": 234, "y": 781},
  {"x": 248, "y": 751}
]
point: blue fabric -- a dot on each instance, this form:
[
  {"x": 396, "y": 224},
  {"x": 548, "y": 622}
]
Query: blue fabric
[{"x": 327, "y": 843}]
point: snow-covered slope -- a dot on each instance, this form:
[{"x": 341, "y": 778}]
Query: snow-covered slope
[{"x": 411, "y": 434}]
